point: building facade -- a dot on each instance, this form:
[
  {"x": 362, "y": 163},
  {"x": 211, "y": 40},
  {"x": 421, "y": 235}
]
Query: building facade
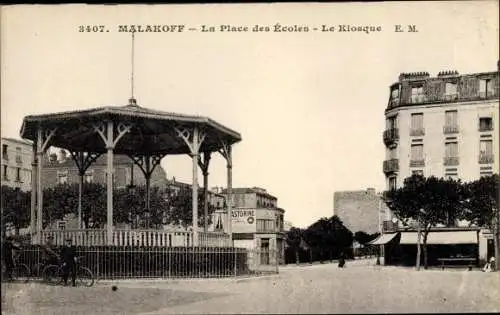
[
  {"x": 16, "y": 159},
  {"x": 444, "y": 126},
  {"x": 257, "y": 223},
  {"x": 360, "y": 210},
  {"x": 60, "y": 168}
]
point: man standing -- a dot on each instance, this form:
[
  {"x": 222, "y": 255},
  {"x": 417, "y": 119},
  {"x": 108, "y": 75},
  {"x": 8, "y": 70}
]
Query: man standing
[
  {"x": 9, "y": 248},
  {"x": 50, "y": 257},
  {"x": 68, "y": 256}
]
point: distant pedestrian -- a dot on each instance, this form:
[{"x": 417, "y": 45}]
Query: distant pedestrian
[
  {"x": 68, "y": 256},
  {"x": 342, "y": 260},
  {"x": 490, "y": 265}
]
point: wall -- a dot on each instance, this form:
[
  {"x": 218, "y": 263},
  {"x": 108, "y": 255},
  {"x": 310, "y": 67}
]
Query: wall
[
  {"x": 15, "y": 159},
  {"x": 358, "y": 210}
]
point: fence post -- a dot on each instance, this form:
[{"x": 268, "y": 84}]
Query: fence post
[{"x": 235, "y": 256}]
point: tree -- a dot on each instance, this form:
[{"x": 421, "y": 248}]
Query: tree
[
  {"x": 482, "y": 206},
  {"x": 328, "y": 235},
  {"x": 428, "y": 201},
  {"x": 16, "y": 208},
  {"x": 180, "y": 207},
  {"x": 294, "y": 241}
]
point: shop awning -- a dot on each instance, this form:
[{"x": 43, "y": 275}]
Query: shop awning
[
  {"x": 383, "y": 239},
  {"x": 441, "y": 238}
]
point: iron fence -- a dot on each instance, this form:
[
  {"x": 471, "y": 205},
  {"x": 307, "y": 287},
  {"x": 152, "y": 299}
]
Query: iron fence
[{"x": 132, "y": 262}]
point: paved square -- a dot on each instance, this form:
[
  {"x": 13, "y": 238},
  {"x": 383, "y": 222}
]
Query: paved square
[{"x": 314, "y": 289}]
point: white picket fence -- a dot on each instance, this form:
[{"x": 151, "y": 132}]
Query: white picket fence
[{"x": 155, "y": 238}]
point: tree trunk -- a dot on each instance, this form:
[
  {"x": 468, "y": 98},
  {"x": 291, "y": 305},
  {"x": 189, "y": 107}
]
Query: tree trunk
[
  {"x": 424, "y": 247},
  {"x": 297, "y": 257},
  {"x": 496, "y": 240},
  {"x": 418, "y": 246}
]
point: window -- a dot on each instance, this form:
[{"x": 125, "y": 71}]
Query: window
[
  {"x": 18, "y": 155},
  {"x": 486, "y": 151},
  {"x": 417, "y": 152},
  {"x": 395, "y": 94},
  {"x": 417, "y": 94},
  {"x": 485, "y": 124},
  {"x": 391, "y": 122},
  {"x": 417, "y": 124},
  {"x": 5, "y": 173},
  {"x": 485, "y": 87},
  {"x": 417, "y": 172},
  {"x": 18, "y": 175},
  {"x": 450, "y": 89},
  {"x": 451, "y": 121},
  {"x": 62, "y": 177},
  {"x": 5, "y": 148},
  {"x": 451, "y": 149},
  {"x": 392, "y": 183},
  {"x": 265, "y": 225},
  {"x": 451, "y": 153},
  {"x": 61, "y": 225},
  {"x": 392, "y": 153}
]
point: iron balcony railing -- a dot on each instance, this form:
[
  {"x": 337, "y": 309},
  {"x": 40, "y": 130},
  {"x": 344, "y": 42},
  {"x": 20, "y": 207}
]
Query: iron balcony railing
[
  {"x": 391, "y": 135},
  {"x": 391, "y": 166},
  {"x": 486, "y": 158},
  {"x": 451, "y": 160},
  {"x": 417, "y": 162},
  {"x": 417, "y": 132},
  {"x": 450, "y": 129},
  {"x": 486, "y": 127}
]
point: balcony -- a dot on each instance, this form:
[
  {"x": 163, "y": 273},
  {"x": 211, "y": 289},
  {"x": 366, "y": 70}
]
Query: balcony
[
  {"x": 486, "y": 158},
  {"x": 486, "y": 127},
  {"x": 416, "y": 132},
  {"x": 417, "y": 162},
  {"x": 391, "y": 136},
  {"x": 391, "y": 166},
  {"x": 450, "y": 129},
  {"x": 451, "y": 161}
]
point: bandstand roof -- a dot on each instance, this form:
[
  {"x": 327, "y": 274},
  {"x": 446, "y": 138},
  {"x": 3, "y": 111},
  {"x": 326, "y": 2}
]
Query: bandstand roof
[{"x": 153, "y": 131}]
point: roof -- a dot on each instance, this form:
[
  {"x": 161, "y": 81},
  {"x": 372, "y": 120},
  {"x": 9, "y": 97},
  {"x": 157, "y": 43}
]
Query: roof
[
  {"x": 252, "y": 190},
  {"x": 153, "y": 131},
  {"x": 25, "y": 142},
  {"x": 383, "y": 239}
]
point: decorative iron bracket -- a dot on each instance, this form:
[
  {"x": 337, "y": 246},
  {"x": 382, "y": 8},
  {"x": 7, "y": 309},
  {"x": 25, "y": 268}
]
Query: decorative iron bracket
[
  {"x": 203, "y": 164},
  {"x": 121, "y": 130},
  {"x": 46, "y": 136},
  {"x": 225, "y": 151},
  {"x": 147, "y": 163},
  {"x": 193, "y": 138},
  {"x": 83, "y": 161}
]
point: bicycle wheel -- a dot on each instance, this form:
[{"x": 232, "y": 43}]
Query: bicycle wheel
[
  {"x": 51, "y": 275},
  {"x": 21, "y": 272},
  {"x": 85, "y": 277}
]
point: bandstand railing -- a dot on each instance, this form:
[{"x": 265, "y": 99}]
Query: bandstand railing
[{"x": 160, "y": 238}]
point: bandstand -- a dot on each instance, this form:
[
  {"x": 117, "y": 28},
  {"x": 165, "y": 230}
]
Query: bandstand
[{"x": 144, "y": 135}]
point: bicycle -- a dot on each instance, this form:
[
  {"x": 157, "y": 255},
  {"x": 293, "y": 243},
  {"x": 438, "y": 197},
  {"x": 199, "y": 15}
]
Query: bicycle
[{"x": 53, "y": 274}]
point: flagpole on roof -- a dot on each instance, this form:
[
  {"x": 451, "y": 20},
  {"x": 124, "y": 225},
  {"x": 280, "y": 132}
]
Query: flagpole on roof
[{"x": 132, "y": 98}]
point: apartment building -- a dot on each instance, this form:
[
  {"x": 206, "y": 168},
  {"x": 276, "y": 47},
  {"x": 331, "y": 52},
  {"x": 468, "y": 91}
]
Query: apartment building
[
  {"x": 257, "y": 222},
  {"x": 16, "y": 160},
  {"x": 445, "y": 126}
]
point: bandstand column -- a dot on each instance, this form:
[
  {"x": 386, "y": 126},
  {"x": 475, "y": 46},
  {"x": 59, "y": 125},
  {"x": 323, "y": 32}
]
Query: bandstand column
[
  {"x": 204, "y": 168},
  {"x": 109, "y": 182},
  {"x": 230, "y": 193},
  {"x": 226, "y": 152},
  {"x": 194, "y": 144},
  {"x": 33, "y": 193},
  {"x": 43, "y": 138},
  {"x": 106, "y": 131},
  {"x": 195, "y": 157}
]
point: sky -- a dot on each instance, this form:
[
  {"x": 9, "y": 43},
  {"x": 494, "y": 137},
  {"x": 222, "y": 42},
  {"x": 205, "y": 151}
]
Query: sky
[{"x": 308, "y": 105}]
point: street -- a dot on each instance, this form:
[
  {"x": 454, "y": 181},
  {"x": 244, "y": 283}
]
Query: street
[{"x": 359, "y": 288}]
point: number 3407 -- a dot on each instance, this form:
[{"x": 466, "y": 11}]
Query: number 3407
[{"x": 92, "y": 29}]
